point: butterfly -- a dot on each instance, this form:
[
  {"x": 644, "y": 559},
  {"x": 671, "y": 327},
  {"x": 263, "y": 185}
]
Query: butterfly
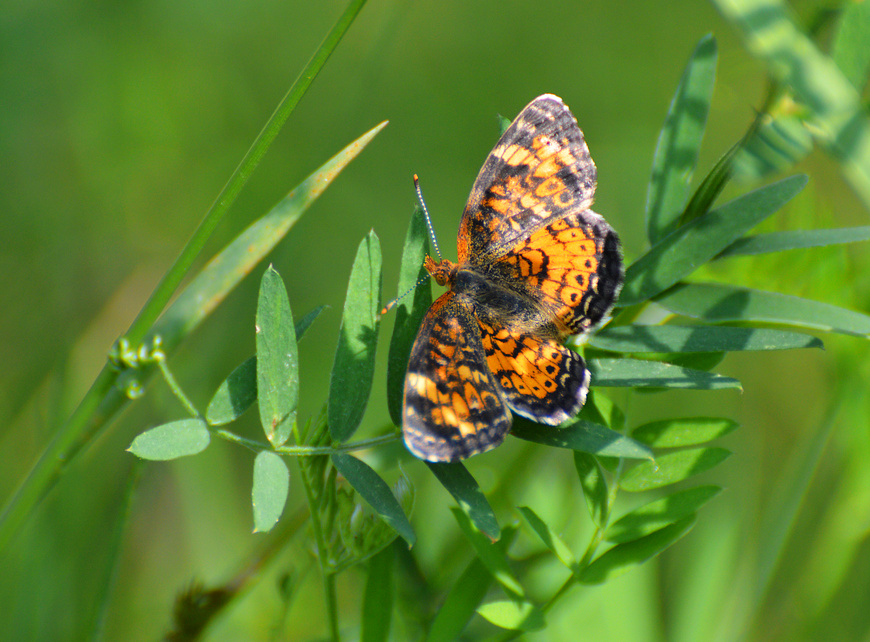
[{"x": 535, "y": 265}]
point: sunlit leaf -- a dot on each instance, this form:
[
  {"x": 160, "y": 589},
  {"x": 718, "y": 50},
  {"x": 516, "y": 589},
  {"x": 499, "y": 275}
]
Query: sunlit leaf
[
  {"x": 795, "y": 240},
  {"x": 269, "y": 491},
  {"x": 581, "y": 435},
  {"x": 698, "y": 338},
  {"x": 654, "y": 374},
  {"x": 513, "y": 615},
  {"x": 684, "y": 431},
  {"x": 459, "y": 483},
  {"x": 594, "y": 485},
  {"x": 494, "y": 558},
  {"x": 172, "y": 440},
  {"x": 672, "y": 468},
  {"x": 650, "y": 517},
  {"x": 550, "y": 539}
]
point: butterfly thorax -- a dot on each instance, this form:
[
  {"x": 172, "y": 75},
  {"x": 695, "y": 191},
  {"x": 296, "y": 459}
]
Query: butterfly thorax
[{"x": 489, "y": 299}]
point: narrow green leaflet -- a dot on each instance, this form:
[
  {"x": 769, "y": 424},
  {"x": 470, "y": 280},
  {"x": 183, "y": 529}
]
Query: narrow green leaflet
[
  {"x": 677, "y": 149},
  {"x": 512, "y": 615},
  {"x": 551, "y": 540},
  {"x": 217, "y": 279},
  {"x": 624, "y": 557},
  {"x": 469, "y": 590},
  {"x": 494, "y": 558},
  {"x": 377, "y": 609},
  {"x": 849, "y": 49},
  {"x": 686, "y": 431},
  {"x": 635, "y": 373},
  {"x": 277, "y": 360},
  {"x": 459, "y": 483},
  {"x": 409, "y": 311},
  {"x": 581, "y": 435},
  {"x": 375, "y": 491},
  {"x": 235, "y": 395},
  {"x": 238, "y": 391},
  {"x": 795, "y": 240},
  {"x": 698, "y": 338},
  {"x": 726, "y": 303},
  {"x": 171, "y": 441},
  {"x": 695, "y": 243},
  {"x": 269, "y": 491},
  {"x": 354, "y": 366},
  {"x": 672, "y": 468},
  {"x": 594, "y": 485},
  {"x": 781, "y": 139},
  {"x": 646, "y": 519}
]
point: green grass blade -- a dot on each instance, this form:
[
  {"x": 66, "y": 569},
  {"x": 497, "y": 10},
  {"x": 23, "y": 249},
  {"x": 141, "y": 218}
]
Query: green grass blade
[
  {"x": 583, "y": 436},
  {"x": 624, "y": 557},
  {"x": 795, "y": 240},
  {"x": 724, "y": 303},
  {"x": 839, "y": 119},
  {"x": 377, "y": 607},
  {"x": 683, "y": 431},
  {"x": 679, "y": 142},
  {"x": 459, "y": 483},
  {"x": 780, "y": 140},
  {"x": 654, "y": 515},
  {"x": 277, "y": 360},
  {"x": 375, "y": 491},
  {"x": 700, "y": 339},
  {"x": 269, "y": 490},
  {"x": 172, "y": 440},
  {"x": 698, "y": 241},
  {"x": 217, "y": 279},
  {"x": 409, "y": 311},
  {"x": 165, "y": 289},
  {"x": 634, "y": 373},
  {"x": 672, "y": 468},
  {"x": 354, "y": 366}
]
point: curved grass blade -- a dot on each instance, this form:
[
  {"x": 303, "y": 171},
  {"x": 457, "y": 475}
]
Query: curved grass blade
[
  {"x": 269, "y": 490},
  {"x": 409, "y": 311},
  {"x": 781, "y": 139},
  {"x": 698, "y": 241},
  {"x": 672, "y": 468},
  {"x": 172, "y": 440},
  {"x": 354, "y": 366},
  {"x": 469, "y": 590},
  {"x": 377, "y": 609},
  {"x": 684, "y": 431},
  {"x": 623, "y": 557},
  {"x": 650, "y": 517},
  {"x": 459, "y": 483},
  {"x": 697, "y": 339},
  {"x": 726, "y": 303},
  {"x": 679, "y": 142},
  {"x": 277, "y": 360},
  {"x": 217, "y": 279},
  {"x": 581, "y": 435},
  {"x": 375, "y": 491},
  {"x": 795, "y": 240},
  {"x": 238, "y": 391},
  {"x": 634, "y": 373}
]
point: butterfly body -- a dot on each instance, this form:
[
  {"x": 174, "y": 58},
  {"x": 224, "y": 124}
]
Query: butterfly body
[{"x": 535, "y": 266}]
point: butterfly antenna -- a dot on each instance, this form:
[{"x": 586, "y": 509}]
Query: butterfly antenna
[
  {"x": 392, "y": 304},
  {"x": 426, "y": 214}
]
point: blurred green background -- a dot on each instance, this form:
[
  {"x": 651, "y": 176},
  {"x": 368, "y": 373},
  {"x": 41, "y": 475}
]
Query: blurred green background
[{"x": 120, "y": 123}]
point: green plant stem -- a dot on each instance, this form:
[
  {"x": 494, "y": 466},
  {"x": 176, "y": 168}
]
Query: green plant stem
[
  {"x": 306, "y": 451},
  {"x": 325, "y": 572},
  {"x": 103, "y": 400},
  {"x": 176, "y": 389}
]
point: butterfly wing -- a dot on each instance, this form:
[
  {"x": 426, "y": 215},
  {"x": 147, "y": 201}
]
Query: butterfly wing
[
  {"x": 539, "y": 171},
  {"x": 452, "y": 408}
]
